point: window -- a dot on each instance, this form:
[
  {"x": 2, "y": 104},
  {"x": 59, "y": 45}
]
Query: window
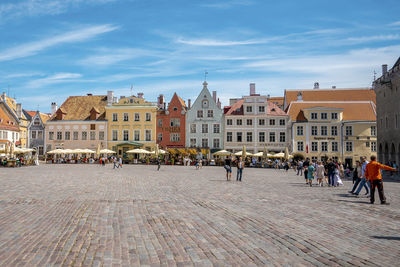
[
  {"x": 229, "y": 137},
  {"x": 249, "y": 137},
  {"x": 216, "y": 128},
  {"x": 367, "y": 144},
  {"x": 349, "y": 146},
  {"x": 239, "y": 122},
  {"x": 193, "y": 128},
  {"x": 137, "y": 117},
  {"x": 84, "y": 135},
  {"x": 205, "y": 103},
  {"x": 282, "y": 122},
  {"x": 229, "y": 122},
  {"x": 204, "y": 142},
  {"x": 199, "y": 114},
  {"x": 148, "y": 116},
  {"x": 314, "y": 146},
  {"x": 175, "y": 122},
  {"x": 324, "y": 116},
  {"x": 204, "y": 128},
  {"x": 324, "y": 130},
  {"x": 334, "y": 130},
  {"x": 210, "y": 113},
  {"x": 373, "y": 146},
  {"x": 159, "y": 122},
  {"x": 282, "y": 137},
  {"x": 76, "y": 135},
  {"x": 115, "y": 117},
  {"x": 271, "y": 122},
  {"x": 148, "y": 135},
  {"x": 36, "y": 122},
  {"x": 239, "y": 137},
  {"x": 261, "y": 109},
  {"x": 192, "y": 142},
  {"x": 249, "y": 109},
  {"x": 126, "y": 117},
  {"x": 137, "y": 135},
  {"x": 335, "y": 146},
  {"x": 349, "y": 130},
  {"x": 175, "y": 137},
  {"x": 314, "y": 116},
  {"x": 101, "y": 135},
  {"x": 67, "y": 135},
  {"x": 33, "y": 134},
  {"x": 159, "y": 137},
  {"x": 334, "y": 116},
  {"x": 40, "y": 135},
  {"x": 300, "y": 146},
  {"x": 92, "y": 135},
  {"x": 314, "y": 130},
  {"x": 261, "y": 122},
  {"x": 324, "y": 146},
  {"x": 216, "y": 143},
  {"x": 300, "y": 130},
  {"x": 125, "y": 134},
  {"x": 59, "y": 135},
  {"x": 272, "y": 137},
  {"x": 249, "y": 122},
  {"x": 373, "y": 130},
  {"x": 114, "y": 135},
  {"x": 261, "y": 137}
]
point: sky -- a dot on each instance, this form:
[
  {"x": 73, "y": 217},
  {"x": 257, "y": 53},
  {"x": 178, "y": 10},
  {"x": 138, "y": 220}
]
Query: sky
[{"x": 51, "y": 49}]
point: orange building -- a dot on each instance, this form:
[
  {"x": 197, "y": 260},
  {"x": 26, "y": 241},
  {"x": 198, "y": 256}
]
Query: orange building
[{"x": 171, "y": 123}]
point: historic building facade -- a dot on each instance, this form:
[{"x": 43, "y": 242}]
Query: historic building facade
[
  {"x": 131, "y": 124},
  {"x": 257, "y": 123},
  {"x": 9, "y": 126},
  {"x": 36, "y": 130},
  {"x": 342, "y": 130},
  {"x": 80, "y": 122},
  {"x": 171, "y": 122},
  {"x": 204, "y": 122},
  {"x": 387, "y": 88}
]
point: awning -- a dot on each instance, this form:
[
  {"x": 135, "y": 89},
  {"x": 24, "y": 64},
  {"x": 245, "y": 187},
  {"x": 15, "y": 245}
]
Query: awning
[{"x": 130, "y": 143}]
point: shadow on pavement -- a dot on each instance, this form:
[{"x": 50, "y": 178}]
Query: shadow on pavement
[
  {"x": 387, "y": 237},
  {"x": 358, "y": 202}
]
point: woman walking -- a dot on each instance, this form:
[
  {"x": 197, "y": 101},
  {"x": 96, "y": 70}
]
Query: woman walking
[
  {"x": 320, "y": 173},
  {"x": 310, "y": 174},
  {"x": 228, "y": 168}
]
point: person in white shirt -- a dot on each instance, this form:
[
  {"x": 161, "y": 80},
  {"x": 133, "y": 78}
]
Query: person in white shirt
[{"x": 240, "y": 167}]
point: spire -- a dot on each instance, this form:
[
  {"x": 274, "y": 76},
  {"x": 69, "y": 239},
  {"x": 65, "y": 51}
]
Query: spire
[{"x": 205, "y": 85}]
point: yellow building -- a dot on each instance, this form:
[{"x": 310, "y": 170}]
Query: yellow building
[
  {"x": 341, "y": 130},
  {"x": 16, "y": 108},
  {"x": 131, "y": 124}
]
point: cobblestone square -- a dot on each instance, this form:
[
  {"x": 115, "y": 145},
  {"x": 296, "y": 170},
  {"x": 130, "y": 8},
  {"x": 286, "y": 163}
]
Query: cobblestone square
[{"x": 87, "y": 215}]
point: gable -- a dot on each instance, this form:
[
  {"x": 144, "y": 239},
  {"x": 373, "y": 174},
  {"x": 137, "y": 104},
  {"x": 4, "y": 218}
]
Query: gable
[{"x": 204, "y": 95}]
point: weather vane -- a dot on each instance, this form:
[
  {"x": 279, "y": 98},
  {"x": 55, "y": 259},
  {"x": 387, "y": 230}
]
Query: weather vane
[{"x": 205, "y": 75}]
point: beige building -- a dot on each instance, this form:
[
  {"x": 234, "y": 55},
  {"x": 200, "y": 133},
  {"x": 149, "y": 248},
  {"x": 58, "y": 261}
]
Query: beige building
[
  {"x": 255, "y": 122},
  {"x": 387, "y": 88},
  {"x": 80, "y": 122},
  {"x": 342, "y": 130}
]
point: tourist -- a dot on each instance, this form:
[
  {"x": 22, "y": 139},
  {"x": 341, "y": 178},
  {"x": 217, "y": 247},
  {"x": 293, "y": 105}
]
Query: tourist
[
  {"x": 310, "y": 174},
  {"x": 341, "y": 170},
  {"x": 120, "y": 162},
  {"x": 320, "y": 173},
  {"x": 158, "y": 163},
  {"x": 337, "y": 180},
  {"x": 305, "y": 166},
  {"x": 228, "y": 168},
  {"x": 331, "y": 172},
  {"x": 357, "y": 177},
  {"x": 240, "y": 167},
  {"x": 373, "y": 174},
  {"x": 363, "y": 182},
  {"x": 300, "y": 168}
]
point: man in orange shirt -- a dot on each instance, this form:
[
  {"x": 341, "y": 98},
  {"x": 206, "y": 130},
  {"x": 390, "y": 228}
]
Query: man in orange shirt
[{"x": 373, "y": 174}]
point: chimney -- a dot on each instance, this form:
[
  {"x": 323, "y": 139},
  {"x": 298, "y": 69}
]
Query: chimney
[
  {"x": 252, "y": 88},
  {"x": 316, "y": 85},
  {"x": 384, "y": 69},
  {"x": 161, "y": 101},
  {"x": 19, "y": 110},
  {"x": 114, "y": 99},
  {"x": 300, "y": 96},
  {"x": 333, "y": 86},
  {"x": 215, "y": 96},
  {"x": 140, "y": 95},
  {"x": 164, "y": 106},
  {"x": 189, "y": 103},
  {"x": 53, "y": 108},
  {"x": 110, "y": 97}
]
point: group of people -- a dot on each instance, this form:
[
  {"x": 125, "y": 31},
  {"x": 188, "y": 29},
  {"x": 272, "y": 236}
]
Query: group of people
[
  {"x": 239, "y": 163},
  {"x": 365, "y": 175}
]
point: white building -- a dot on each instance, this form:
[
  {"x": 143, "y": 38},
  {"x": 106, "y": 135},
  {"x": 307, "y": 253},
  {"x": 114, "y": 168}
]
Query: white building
[
  {"x": 204, "y": 122},
  {"x": 255, "y": 122}
]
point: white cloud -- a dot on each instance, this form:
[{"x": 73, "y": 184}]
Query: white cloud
[
  {"x": 53, "y": 79},
  {"x": 228, "y": 4},
  {"x": 396, "y": 23},
  {"x": 214, "y": 42},
  {"x": 373, "y": 38},
  {"x": 35, "y": 47}
]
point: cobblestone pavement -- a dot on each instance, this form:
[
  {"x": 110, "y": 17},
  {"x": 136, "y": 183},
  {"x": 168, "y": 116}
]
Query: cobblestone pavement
[{"x": 85, "y": 215}]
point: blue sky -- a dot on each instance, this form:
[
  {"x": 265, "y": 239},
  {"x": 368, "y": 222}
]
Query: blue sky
[{"x": 51, "y": 49}]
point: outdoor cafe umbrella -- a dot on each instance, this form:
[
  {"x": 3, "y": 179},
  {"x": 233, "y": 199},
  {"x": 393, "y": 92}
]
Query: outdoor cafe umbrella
[
  {"x": 222, "y": 153},
  {"x": 107, "y": 151},
  {"x": 286, "y": 155},
  {"x": 138, "y": 151}
]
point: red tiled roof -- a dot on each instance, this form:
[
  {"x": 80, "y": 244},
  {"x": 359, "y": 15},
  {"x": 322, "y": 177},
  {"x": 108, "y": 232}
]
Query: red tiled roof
[
  {"x": 274, "y": 110},
  {"x": 234, "y": 107}
]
